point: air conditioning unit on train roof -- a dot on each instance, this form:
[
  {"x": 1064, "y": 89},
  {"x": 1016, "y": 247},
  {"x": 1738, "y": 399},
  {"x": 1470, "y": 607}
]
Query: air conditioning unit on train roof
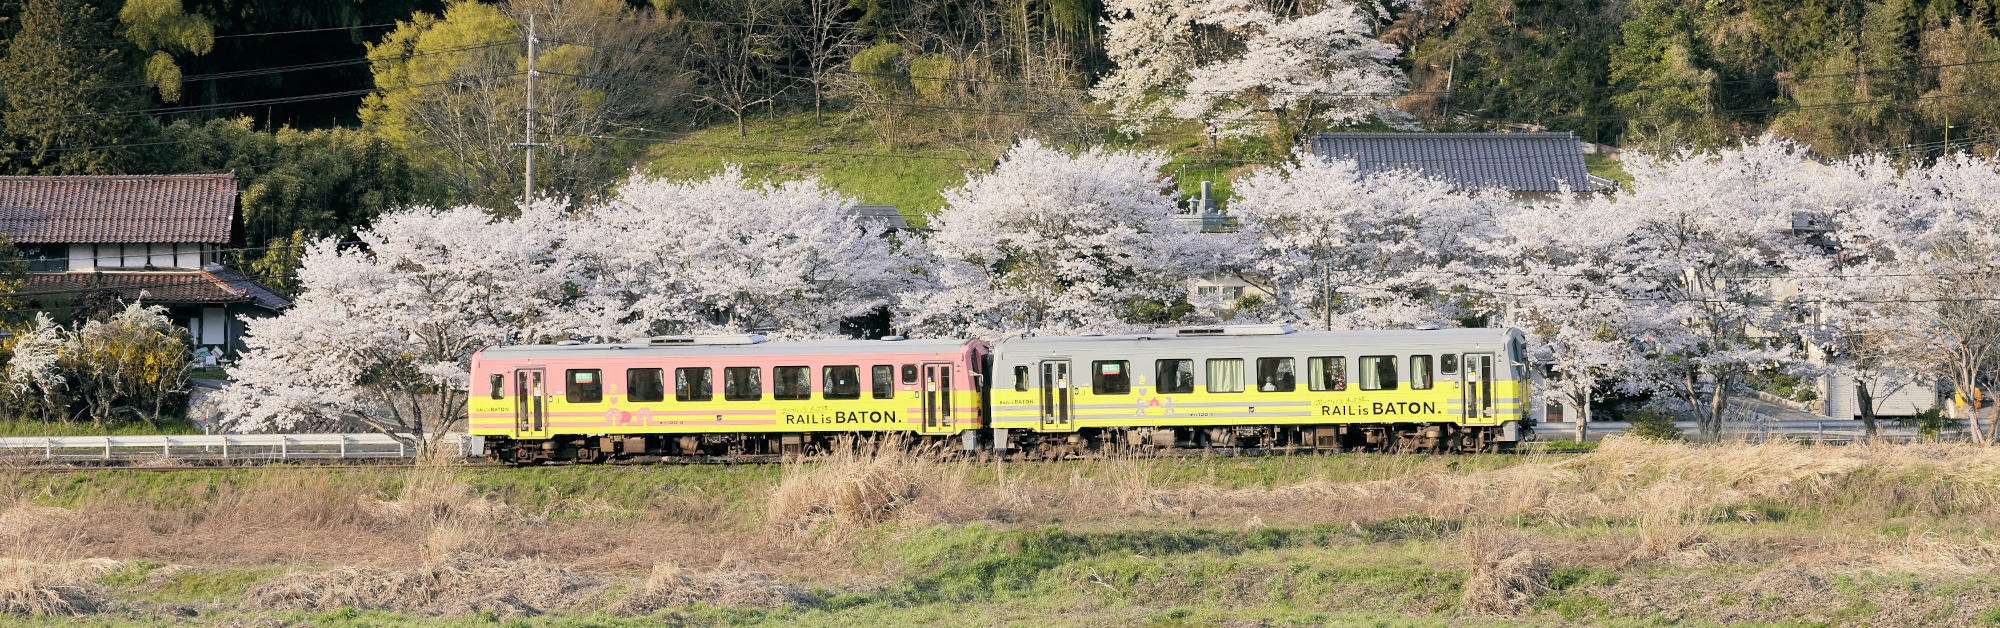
[
  {"x": 1234, "y": 330},
  {"x": 728, "y": 339}
]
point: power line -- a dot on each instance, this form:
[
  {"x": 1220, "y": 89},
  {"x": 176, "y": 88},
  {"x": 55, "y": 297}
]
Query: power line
[
  {"x": 267, "y": 101},
  {"x": 258, "y": 72},
  {"x": 310, "y": 30}
]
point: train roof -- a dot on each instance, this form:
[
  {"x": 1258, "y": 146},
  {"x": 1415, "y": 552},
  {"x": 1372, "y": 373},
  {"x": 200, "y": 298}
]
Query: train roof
[
  {"x": 804, "y": 347},
  {"x": 1168, "y": 339}
]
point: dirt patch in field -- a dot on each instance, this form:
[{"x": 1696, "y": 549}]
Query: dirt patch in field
[{"x": 456, "y": 586}]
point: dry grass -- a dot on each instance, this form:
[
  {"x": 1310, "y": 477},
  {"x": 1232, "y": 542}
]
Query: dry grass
[
  {"x": 1507, "y": 574},
  {"x": 59, "y": 588},
  {"x": 858, "y": 485},
  {"x": 669, "y": 586},
  {"x": 453, "y": 586}
]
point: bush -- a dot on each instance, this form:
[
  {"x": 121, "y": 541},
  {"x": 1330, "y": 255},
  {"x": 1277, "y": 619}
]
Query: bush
[
  {"x": 1652, "y": 424},
  {"x": 928, "y": 72},
  {"x": 877, "y": 67},
  {"x": 1931, "y": 423},
  {"x": 134, "y": 363}
]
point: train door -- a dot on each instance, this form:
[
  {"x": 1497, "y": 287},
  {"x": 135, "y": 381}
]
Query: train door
[
  {"x": 937, "y": 399},
  {"x": 531, "y": 411},
  {"x": 1476, "y": 375},
  {"x": 1055, "y": 397}
]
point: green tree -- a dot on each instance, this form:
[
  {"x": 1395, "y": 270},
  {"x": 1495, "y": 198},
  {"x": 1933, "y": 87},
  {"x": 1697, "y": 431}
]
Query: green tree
[
  {"x": 54, "y": 125},
  {"x": 321, "y": 182},
  {"x": 161, "y": 29}
]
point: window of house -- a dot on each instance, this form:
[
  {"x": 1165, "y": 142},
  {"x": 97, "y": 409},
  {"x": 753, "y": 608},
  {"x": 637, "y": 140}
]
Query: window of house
[
  {"x": 1173, "y": 376},
  {"x": 585, "y": 386},
  {"x": 840, "y": 382},
  {"x": 883, "y": 381},
  {"x": 743, "y": 383},
  {"x": 1111, "y": 377},
  {"x": 498, "y": 380},
  {"x": 1020, "y": 378},
  {"x": 1378, "y": 372},
  {"x": 645, "y": 385},
  {"x": 1276, "y": 375},
  {"x": 1420, "y": 372},
  {"x": 1448, "y": 364},
  {"x": 791, "y": 383},
  {"x": 1225, "y": 376},
  {"x": 1326, "y": 373},
  {"x": 695, "y": 384}
]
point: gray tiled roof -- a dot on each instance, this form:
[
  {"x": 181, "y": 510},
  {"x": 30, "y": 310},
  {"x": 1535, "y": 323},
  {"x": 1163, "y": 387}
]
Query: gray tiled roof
[
  {"x": 1519, "y": 162},
  {"x": 880, "y": 216},
  {"x": 183, "y": 208}
]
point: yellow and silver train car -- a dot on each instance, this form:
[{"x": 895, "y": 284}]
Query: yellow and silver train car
[{"x": 1262, "y": 386}]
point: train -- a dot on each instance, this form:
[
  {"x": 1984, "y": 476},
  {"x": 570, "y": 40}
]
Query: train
[{"x": 1240, "y": 388}]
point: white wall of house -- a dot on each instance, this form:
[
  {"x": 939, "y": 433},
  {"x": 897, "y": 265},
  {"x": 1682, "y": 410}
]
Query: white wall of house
[
  {"x": 1841, "y": 401},
  {"x": 134, "y": 256}
]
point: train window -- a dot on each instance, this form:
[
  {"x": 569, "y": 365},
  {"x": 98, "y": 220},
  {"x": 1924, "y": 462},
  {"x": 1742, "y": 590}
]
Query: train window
[
  {"x": 884, "y": 383},
  {"x": 1326, "y": 373},
  {"x": 645, "y": 385},
  {"x": 1448, "y": 364},
  {"x": 1111, "y": 377},
  {"x": 1420, "y": 372},
  {"x": 1173, "y": 376},
  {"x": 498, "y": 381},
  {"x": 840, "y": 382},
  {"x": 1276, "y": 375},
  {"x": 1225, "y": 376},
  {"x": 585, "y": 386},
  {"x": 743, "y": 383},
  {"x": 792, "y": 383},
  {"x": 910, "y": 374},
  {"x": 694, "y": 384},
  {"x": 1020, "y": 378},
  {"x": 1378, "y": 372}
]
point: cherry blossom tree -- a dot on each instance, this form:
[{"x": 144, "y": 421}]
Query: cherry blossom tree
[
  {"x": 1707, "y": 234},
  {"x": 727, "y": 255},
  {"x": 383, "y": 333},
  {"x": 1274, "y": 72},
  {"x": 1053, "y": 243},
  {"x": 1339, "y": 248}
]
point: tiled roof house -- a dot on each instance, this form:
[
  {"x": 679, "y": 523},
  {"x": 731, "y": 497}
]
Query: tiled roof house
[
  {"x": 154, "y": 238},
  {"x": 1524, "y": 164}
]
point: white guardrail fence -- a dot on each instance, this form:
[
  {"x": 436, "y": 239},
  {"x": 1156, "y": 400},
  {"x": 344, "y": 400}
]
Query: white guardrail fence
[
  {"x": 1829, "y": 431},
  {"x": 228, "y": 446}
]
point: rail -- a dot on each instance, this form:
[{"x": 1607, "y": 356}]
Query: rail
[
  {"x": 229, "y": 446},
  {"x": 1828, "y": 431}
]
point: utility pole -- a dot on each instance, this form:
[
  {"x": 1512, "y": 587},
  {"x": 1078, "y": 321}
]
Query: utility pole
[{"x": 528, "y": 188}]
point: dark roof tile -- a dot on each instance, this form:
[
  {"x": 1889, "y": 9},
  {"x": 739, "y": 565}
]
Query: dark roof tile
[
  {"x": 1519, "y": 162},
  {"x": 194, "y": 208}
]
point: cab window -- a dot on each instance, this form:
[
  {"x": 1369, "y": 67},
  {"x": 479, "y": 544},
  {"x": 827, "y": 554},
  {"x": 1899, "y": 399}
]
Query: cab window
[
  {"x": 585, "y": 386},
  {"x": 1020, "y": 378},
  {"x": 497, "y": 379}
]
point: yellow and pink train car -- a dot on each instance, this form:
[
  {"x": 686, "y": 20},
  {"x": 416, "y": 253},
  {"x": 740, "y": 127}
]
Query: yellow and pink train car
[{"x": 717, "y": 395}]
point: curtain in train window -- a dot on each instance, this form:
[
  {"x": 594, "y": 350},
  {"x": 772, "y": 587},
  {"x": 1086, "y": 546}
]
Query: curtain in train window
[
  {"x": 1420, "y": 372},
  {"x": 791, "y": 383},
  {"x": 1276, "y": 375},
  {"x": 1225, "y": 376},
  {"x": 694, "y": 384},
  {"x": 1173, "y": 376},
  {"x": 1378, "y": 372},
  {"x": 645, "y": 385},
  {"x": 585, "y": 386},
  {"x": 841, "y": 382},
  {"x": 1326, "y": 373},
  {"x": 1111, "y": 377},
  {"x": 882, "y": 380},
  {"x": 743, "y": 383}
]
